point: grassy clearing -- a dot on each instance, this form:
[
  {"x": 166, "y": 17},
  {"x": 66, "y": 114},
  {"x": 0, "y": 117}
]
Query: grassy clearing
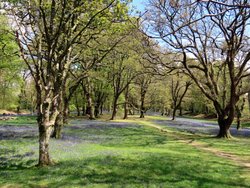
[{"x": 117, "y": 154}]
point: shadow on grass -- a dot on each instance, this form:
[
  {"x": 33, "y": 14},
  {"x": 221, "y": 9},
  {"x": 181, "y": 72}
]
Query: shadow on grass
[
  {"x": 12, "y": 161},
  {"x": 116, "y": 135},
  {"x": 149, "y": 169}
]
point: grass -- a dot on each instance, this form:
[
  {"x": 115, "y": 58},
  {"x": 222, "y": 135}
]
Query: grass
[
  {"x": 120, "y": 154},
  {"x": 245, "y": 124},
  {"x": 20, "y": 120}
]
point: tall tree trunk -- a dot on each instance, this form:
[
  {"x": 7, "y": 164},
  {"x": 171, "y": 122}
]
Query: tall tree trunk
[
  {"x": 66, "y": 111},
  {"x": 238, "y": 115},
  {"x": 44, "y": 136},
  {"x": 180, "y": 108},
  {"x": 125, "y": 111},
  {"x": 84, "y": 109},
  {"x": 44, "y": 127},
  {"x": 77, "y": 106},
  {"x": 78, "y": 111},
  {"x": 89, "y": 108},
  {"x": 46, "y": 119},
  {"x": 126, "y": 103},
  {"x": 57, "y": 132},
  {"x": 248, "y": 98},
  {"x": 101, "y": 113},
  {"x": 114, "y": 108},
  {"x": 97, "y": 111},
  {"x": 142, "y": 109},
  {"x": 174, "y": 113}
]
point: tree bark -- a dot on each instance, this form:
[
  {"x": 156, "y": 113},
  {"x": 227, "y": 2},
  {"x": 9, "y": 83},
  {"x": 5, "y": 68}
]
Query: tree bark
[
  {"x": 101, "y": 108},
  {"x": 57, "y": 132},
  {"x": 89, "y": 108},
  {"x": 46, "y": 119},
  {"x": 126, "y": 103},
  {"x": 180, "y": 108},
  {"x": 142, "y": 109},
  {"x": 97, "y": 111},
  {"x": 66, "y": 112},
  {"x": 84, "y": 109},
  {"x": 224, "y": 131},
  {"x": 114, "y": 108},
  {"x": 174, "y": 113},
  {"x": 248, "y": 100},
  {"x": 44, "y": 135},
  {"x": 224, "y": 125}
]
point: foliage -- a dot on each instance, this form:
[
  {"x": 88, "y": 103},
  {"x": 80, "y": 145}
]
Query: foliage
[{"x": 10, "y": 67}]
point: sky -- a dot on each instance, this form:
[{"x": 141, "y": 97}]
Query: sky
[{"x": 138, "y": 4}]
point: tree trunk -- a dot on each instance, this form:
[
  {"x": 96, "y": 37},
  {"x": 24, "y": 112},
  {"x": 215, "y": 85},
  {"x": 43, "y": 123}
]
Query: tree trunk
[
  {"x": 238, "y": 115},
  {"x": 114, "y": 108},
  {"x": 77, "y": 106},
  {"x": 126, "y": 103},
  {"x": 174, "y": 113},
  {"x": 97, "y": 110},
  {"x": 180, "y": 108},
  {"x": 66, "y": 113},
  {"x": 224, "y": 132},
  {"x": 44, "y": 135},
  {"x": 248, "y": 99},
  {"x": 125, "y": 111},
  {"x": 101, "y": 109},
  {"x": 57, "y": 132},
  {"x": 142, "y": 109},
  {"x": 84, "y": 109},
  {"x": 59, "y": 118},
  {"x": 78, "y": 111},
  {"x": 89, "y": 109},
  {"x": 224, "y": 125},
  {"x": 65, "y": 108}
]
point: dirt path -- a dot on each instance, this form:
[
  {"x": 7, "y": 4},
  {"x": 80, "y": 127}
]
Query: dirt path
[
  {"x": 201, "y": 146},
  {"x": 220, "y": 153}
]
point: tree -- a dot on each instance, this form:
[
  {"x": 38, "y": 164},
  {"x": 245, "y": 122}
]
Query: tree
[
  {"x": 179, "y": 87},
  {"x": 211, "y": 39},
  {"x": 102, "y": 90},
  {"x": 121, "y": 75},
  {"x": 143, "y": 81},
  {"x": 10, "y": 66},
  {"x": 48, "y": 32}
]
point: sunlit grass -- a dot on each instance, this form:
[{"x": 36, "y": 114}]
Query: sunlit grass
[
  {"x": 20, "y": 120},
  {"x": 118, "y": 154}
]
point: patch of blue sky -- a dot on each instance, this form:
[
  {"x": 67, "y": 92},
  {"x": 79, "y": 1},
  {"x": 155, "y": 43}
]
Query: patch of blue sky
[{"x": 138, "y": 6}]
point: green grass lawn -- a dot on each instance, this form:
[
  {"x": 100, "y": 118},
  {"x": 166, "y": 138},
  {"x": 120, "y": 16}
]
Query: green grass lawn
[{"x": 120, "y": 154}]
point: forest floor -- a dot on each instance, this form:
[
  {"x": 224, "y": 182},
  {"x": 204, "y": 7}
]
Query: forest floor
[{"x": 153, "y": 152}]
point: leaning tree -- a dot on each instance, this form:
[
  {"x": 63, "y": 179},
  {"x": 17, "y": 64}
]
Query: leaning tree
[{"x": 213, "y": 45}]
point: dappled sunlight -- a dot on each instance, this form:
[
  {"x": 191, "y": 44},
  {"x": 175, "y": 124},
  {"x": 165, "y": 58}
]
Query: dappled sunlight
[{"x": 130, "y": 153}]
